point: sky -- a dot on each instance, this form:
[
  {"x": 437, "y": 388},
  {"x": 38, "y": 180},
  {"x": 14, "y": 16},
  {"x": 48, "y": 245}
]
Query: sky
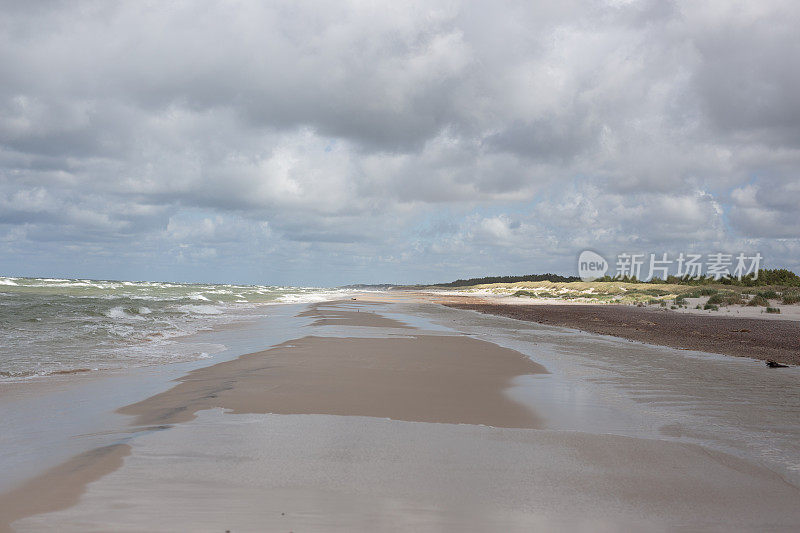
[{"x": 325, "y": 143}]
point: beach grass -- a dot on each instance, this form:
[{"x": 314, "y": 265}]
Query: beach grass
[{"x": 634, "y": 293}]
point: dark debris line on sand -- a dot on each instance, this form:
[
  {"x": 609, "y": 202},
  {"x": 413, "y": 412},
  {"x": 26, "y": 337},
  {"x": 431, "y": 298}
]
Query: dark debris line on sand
[
  {"x": 767, "y": 340},
  {"x": 773, "y": 364}
]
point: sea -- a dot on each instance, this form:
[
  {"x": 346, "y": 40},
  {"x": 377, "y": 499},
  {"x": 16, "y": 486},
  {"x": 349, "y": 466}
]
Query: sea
[{"x": 52, "y": 326}]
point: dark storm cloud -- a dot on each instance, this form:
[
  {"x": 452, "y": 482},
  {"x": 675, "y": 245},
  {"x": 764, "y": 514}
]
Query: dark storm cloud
[
  {"x": 546, "y": 140},
  {"x": 746, "y": 77},
  {"x": 190, "y": 131}
]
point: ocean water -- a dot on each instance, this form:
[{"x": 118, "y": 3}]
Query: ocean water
[{"x": 59, "y": 326}]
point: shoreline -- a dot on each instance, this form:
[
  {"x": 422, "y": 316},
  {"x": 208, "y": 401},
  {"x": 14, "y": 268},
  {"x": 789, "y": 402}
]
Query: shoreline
[
  {"x": 415, "y": 377},
  {"x": 398, "y": 411},
  {"x": 423, "y": 378},
  {"x": 405, "y": 375},
  {"x": 763, "y": 339}
]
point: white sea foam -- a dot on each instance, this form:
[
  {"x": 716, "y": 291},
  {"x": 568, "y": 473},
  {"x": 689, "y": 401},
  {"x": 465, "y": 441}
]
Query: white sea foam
[
  {"x": 117, "y": 312},
  {"x": 312, "y": 297},
  {"x": 200, "y": 309},
  {"x": 76, "y": 324},
  {"x": 198, "y": 296}
]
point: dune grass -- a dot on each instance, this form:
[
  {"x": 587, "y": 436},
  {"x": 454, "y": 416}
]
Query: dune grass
[{"x": 625, "y": 292}]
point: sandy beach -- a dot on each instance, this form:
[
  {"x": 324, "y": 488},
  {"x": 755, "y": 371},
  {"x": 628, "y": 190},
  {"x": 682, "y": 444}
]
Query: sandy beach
[
  {"x": 409, "y": 416},
  {"x": 367, "y": 266},
  {"x": 422, "y": 378}
]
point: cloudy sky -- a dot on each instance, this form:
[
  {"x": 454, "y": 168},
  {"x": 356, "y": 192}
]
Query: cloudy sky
[{"x": 335, "y": 142}]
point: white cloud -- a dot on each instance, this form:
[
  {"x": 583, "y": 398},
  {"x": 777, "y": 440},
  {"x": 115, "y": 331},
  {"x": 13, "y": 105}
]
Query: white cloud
[{"x": 342, "y": 127}]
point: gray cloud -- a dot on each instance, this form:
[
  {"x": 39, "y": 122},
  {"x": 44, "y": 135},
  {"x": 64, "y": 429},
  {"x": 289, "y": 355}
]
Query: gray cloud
[{"x": 336, "y": 142}]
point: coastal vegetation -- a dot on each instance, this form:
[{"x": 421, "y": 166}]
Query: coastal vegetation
[
  {"x": 507, "y": 279},
  {"x": 765, "y": 277},
  {"x": 770, "y": 288},
  {"x": 790, "y": 297},
  {"x": 758, "y": 300}
]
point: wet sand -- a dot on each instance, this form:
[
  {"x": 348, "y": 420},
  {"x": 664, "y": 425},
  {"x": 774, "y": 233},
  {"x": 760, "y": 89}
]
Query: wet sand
[
  {"x": 333, "y": 473},
  {"x": 777, "y": 340},
  {"x": 60, "y": 487},
  {"x": 424, "y": 378},
  {"x": 368, "y": 423}
]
